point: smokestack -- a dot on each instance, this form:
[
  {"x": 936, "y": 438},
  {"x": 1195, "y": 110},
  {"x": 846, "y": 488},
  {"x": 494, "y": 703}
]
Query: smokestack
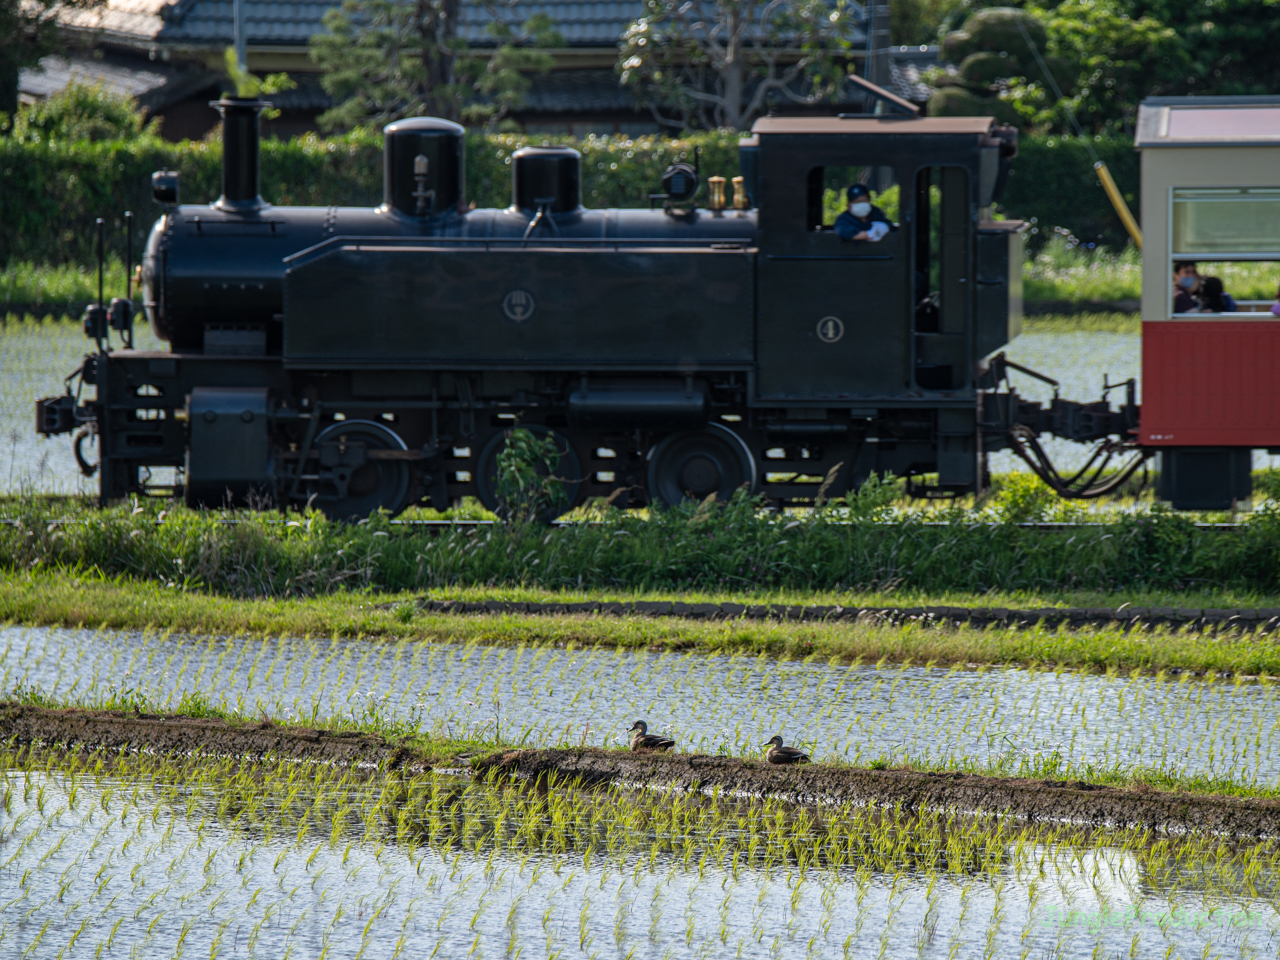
[{"x": 240, "y": 176}]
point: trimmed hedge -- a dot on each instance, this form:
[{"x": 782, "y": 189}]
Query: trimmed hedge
[
  {"x": 53, "y": 191},
  {"x": 1053, "y": 181}
]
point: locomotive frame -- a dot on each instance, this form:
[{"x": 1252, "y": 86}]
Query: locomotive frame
[{"x": 360, "y": 359}]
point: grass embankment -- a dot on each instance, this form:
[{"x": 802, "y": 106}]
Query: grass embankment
[
  {"x": 860, "y": 545},
  {"x": 377, "y": 745},
  {"x": 60, "y": 599}
]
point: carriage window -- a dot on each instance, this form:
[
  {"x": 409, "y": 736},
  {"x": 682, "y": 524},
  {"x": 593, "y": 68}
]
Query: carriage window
[
  {"x": 1226, "y": 222},
  {"x": 1245, "y": 289},
  {"x": 827, "y": 186},
  {"x": 1225, "y": 242}
]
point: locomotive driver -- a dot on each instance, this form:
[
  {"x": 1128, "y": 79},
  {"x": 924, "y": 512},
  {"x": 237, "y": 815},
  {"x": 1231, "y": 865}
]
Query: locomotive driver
[{"x": 862, "y": 221}]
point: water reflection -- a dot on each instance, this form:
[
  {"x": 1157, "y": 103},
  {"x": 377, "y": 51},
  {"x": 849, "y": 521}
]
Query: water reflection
[{"x": 709, "y": 704}]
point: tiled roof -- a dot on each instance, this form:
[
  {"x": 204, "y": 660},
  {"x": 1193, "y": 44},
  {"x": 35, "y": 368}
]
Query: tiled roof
[
  {"x": 588, "y": 23},
  {"x": 154, "y": 84},
  {"x": 582, "y": 23},
  {"x": 212, "y": 21},
  {"x": 132, "y": 19},
  {"x": 577, "y": 91},
  {"x": 905, "y": 80}
]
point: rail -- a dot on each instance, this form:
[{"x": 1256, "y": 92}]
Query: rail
[{"x": 440, "y": 526}]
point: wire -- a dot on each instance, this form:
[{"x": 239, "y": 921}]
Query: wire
[{"x": 1057, "y": 91}]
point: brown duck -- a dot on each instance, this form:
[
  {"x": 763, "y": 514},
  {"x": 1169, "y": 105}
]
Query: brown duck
[
  {"x": 642, "y": 739},
  {"x": 777, "y": 753}
]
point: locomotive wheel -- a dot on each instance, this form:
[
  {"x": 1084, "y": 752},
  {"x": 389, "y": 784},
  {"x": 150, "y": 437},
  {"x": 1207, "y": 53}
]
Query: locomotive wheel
[
  {"x": 370, "y": 484},
  {"x": 696, "y": 464},
  {"x": 569, "y": 470}
]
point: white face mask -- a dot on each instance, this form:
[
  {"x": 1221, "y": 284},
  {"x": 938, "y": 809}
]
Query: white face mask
[{"x": 860, "y": 209}]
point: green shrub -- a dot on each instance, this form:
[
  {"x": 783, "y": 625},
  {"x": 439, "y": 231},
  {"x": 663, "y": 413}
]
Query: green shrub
[
  {"x": 527, "y": 486},
  {"x": 80, "y": 112}
]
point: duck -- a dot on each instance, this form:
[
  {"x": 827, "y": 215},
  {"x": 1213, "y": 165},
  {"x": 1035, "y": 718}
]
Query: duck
[
  {"x": 777, "y": 753},
  {"x": 642, "y": 739}
]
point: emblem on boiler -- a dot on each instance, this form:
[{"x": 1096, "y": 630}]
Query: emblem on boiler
[
  {"x": 830, "y": 329},
  {"x": 519, "y": 306}
]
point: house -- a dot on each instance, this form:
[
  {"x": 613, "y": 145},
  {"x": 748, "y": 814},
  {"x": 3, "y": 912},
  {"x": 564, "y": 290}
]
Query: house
[{"x": 170, "y": 56}]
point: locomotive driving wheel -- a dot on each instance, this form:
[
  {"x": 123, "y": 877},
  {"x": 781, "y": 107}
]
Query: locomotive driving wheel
[
  {"x": 698, "y": 463},
  {"x": 353, "y": 484}
]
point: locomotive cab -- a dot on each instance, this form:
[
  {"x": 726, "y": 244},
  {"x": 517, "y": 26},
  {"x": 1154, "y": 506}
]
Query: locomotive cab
[{"x": 912, "y": 314}]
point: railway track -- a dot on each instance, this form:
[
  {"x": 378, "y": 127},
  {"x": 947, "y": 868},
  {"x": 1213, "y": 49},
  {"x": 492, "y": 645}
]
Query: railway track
[{"x": 441, "y": 526}]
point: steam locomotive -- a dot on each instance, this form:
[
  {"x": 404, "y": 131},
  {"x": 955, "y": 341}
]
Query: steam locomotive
[{"x": 363, "y": 359}]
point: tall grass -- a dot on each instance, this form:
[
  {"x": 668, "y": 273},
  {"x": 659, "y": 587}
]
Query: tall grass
[{"x": 859, "y": 543}]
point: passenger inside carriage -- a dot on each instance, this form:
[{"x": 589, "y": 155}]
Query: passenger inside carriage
[
  {"x": 1186, "y": 281},
  {"x": 1213, "y": 298}
]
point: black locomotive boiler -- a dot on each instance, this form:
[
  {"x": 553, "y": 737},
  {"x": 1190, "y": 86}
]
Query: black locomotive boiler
[{"x": 361, "y": 359}]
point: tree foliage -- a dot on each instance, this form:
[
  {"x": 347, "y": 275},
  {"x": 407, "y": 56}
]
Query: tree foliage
[
  {"x": 387, "y": 59},
  {"x": 1100, "y": 59},
  {"x": 1233, "y": 45},
  {"x": 914, "y": 22},
  {"x": 29, "y": 31},
  {"x": 251, "y": 85},
  {"x": 80, "y": 112},
  {"x": 1125, "y": 50},
  {"x": 1117, "y": 59},
  {"x": 720, "y": 63}
]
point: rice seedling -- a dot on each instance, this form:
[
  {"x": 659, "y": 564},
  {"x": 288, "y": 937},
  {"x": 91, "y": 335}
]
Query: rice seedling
[
  {"x": 1117, "y": 727},
  {"x": 152, "y": 854}
]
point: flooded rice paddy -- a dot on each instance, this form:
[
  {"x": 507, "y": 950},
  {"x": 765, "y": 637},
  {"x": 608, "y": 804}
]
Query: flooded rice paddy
[
  {"x": 710, "y": 704},
  {"x": 287, "y": 861},
  {"x": 146, "y": 856}
]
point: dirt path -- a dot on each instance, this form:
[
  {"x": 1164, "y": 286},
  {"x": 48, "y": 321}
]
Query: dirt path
[
  {"x": 185, "y": 736},
  {"x": 1031, "y": 800}
]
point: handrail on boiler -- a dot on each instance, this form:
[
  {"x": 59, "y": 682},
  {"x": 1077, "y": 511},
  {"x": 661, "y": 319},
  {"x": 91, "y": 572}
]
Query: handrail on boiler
[{"x": 487, "y": 244}]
